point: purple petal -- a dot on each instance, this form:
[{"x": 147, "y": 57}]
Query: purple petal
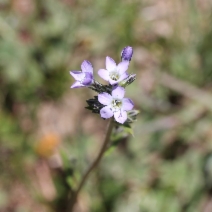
[
  {"x": 105, "y": 98},
  {"x": 110, "y": 64},
  {"x": 77, "y": 85},
  {"x": 127, "y": 53},
  {"x": 86, "y": 66},
  {"x": 123, "y": 66},
  {"x": 78, "y": 75},
  {"x": 88, "y": 79},
  {"x": 104, "y": 74},
  {"x": 127, "y": 104},
  {"x": 120, "y": 116},
  {"x": 118, "y": 93},
  {"x": 123, "y": 76},
  {"x": 106, "y": 112}
]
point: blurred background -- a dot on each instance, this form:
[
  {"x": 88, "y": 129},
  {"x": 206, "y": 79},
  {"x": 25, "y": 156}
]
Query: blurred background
[{"x": 47, "y": 138}]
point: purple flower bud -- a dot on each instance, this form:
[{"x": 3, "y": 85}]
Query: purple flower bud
[
  {"x": 127, "y": 53},
  {"x": 115, "y": 104},
  {"x": 84, "y": 77}
]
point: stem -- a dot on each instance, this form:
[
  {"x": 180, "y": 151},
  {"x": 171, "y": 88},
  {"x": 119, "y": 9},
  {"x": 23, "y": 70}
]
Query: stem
[{"x": 92, "y": 166}]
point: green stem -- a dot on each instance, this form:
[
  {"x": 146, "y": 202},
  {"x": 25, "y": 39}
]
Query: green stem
[{"x": 92, "y": 166}]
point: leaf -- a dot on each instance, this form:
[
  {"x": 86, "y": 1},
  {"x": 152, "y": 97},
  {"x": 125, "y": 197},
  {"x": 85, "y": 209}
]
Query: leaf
[{"x": 129, "y": 130}]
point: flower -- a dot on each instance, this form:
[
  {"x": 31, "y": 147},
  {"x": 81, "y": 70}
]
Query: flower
[
  {"x": 116, "y": 104},
  {"x": 127, "y": 53},
  {"x": 114, "y": 74},
  {"x": 84, "y": 77}
]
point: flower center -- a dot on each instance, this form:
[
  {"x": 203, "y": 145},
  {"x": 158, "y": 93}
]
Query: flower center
[
  {"x": 114, "y": 75},
  {"x": 116, "y": 103}
]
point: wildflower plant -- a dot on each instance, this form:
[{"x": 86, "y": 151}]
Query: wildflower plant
[{"x": 110, "y": 102}]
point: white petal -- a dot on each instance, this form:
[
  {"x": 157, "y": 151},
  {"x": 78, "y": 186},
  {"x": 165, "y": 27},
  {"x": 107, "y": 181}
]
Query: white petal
[
  {"x": 120, "y": 116},
  {"x": 106, "y": 112},
  {"x": 110, "y": 64},
  {"x": 78, "y": 75},
  {"x": 77, "y": 85},
  {"x": 112, "y": 82},
  {"x": 123, "y": 76},
  {"x": 104, "y": 74},
  {"x": 118, "y": 92},
  {"x": 123, "y": 66},
  {"x": 105, "y": 98},
  {"x": 86, "y": 66}
]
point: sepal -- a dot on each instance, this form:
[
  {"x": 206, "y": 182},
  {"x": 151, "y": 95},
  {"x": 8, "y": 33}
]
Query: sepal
[
  {"x": 99, "y": 88},
  {"x": 130, "y": 79},
  {"x": 132, "y": 116},
  {"x": 94, "y": 105}
]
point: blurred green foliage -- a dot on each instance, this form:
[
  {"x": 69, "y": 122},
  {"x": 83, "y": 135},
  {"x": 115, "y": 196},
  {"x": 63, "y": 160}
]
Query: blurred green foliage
[{"x": 167, "y": 165}]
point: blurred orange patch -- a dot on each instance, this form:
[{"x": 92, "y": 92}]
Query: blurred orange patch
[{"x": 48, "y": 145}]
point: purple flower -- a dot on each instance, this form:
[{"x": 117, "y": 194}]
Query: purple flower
[
  {"x": 84, "y": 77},
  {"x": 116, "y": 105},
  {"x": 127, "y": 53},
  {"x": 114, "y": 74}
]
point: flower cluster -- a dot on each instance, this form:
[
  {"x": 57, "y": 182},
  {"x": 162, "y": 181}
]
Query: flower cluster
[{"x": 110, "y": 100}]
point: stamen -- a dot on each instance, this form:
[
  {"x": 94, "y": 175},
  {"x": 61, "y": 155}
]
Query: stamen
[
  {"x": 114, "y": 76},
  {"x": 116, "y": 104}
]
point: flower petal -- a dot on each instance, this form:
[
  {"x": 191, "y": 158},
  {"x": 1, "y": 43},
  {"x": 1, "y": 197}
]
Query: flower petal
[
  {"x": 77, "y": 85},
  {"x": 78, "y": 75},
  {"x": 88, "y": 79},
  {"x": 86, "y": 66},
  {"x": 127, "y": 53},
  {"x": 127, "y": 104},
  {"x": 118, "y": 92},
  {"x": 123, "y": 76},
  {"x": 120, "y": 116},
  {"x": 104, "y": 74},
  {"x": 105, "y": 98},
  {"x": 106, "y": 112},
  {"x": 122, "y": 67},
  {"x": 112, "y": 82},
  {"x": 110, "y": 64}
]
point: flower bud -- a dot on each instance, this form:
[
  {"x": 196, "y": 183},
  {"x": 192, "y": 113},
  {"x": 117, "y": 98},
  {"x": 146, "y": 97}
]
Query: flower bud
[{"x": 127, "y": 53}]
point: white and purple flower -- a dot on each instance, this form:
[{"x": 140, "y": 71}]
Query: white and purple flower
[
  {"x": 115, "y": 104},
  {"x": 84, "y": 77},
  {"x": 114, "y": 73},
  {"x": 127, "y": 53}
]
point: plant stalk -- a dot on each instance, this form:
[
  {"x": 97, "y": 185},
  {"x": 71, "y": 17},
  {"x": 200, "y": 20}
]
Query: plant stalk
[{"x": 93, "y": 165}]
